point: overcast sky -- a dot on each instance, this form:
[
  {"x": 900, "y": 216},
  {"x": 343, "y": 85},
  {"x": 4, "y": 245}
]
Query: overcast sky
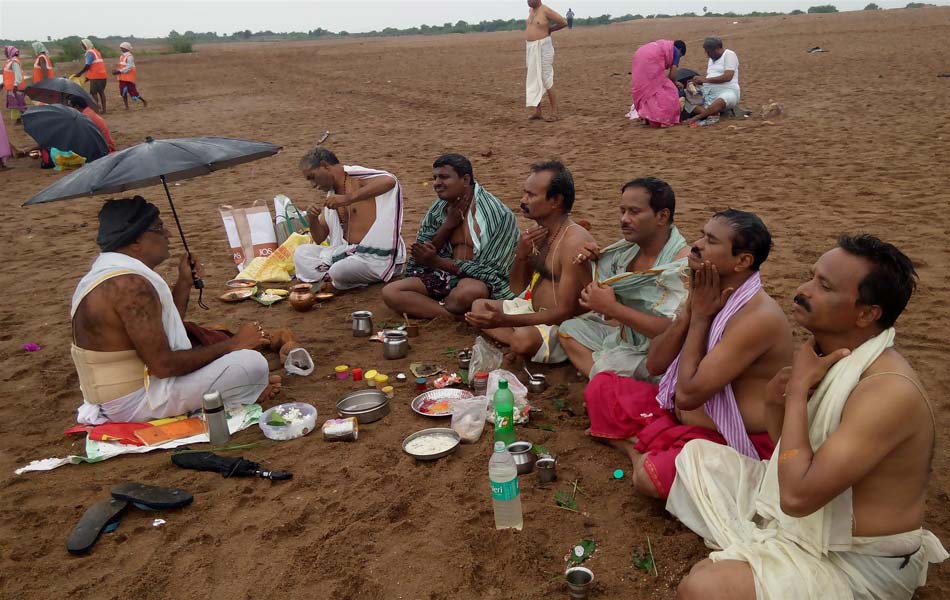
[{"x": 37, "y": 19}]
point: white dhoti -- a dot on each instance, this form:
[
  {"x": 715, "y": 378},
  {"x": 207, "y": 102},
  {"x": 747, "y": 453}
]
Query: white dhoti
[
  {"x": 376, "y": 258},
  {"x": 240, "y": 376},
  {"x": 539, "y": 58},
  {"x": 734, "y": 503}
]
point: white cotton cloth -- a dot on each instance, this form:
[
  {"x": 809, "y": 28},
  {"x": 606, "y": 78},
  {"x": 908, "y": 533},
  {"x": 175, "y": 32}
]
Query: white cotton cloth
[{"x": 539, "y": 58}]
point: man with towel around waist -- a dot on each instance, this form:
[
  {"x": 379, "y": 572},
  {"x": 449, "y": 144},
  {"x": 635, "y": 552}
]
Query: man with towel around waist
[
  {"x": 716, "y": 358},
  {"x": 638, "y": 282},
  {"x": 361, "y": 221},
  {"x": 463, "y": 250},
  {"x": 130, "y": 346},
  {"x": 838, "y": 510},
  {"x": 544, "y": 275},
  {"x": 539, "y": 56}
]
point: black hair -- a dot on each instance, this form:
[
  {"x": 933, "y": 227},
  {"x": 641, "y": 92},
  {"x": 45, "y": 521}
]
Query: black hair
[
  {"x": 682, "y": 47},
  {"x": 711, "y": 43},
  {"x": 77, "y": 102},
  {"x": 892, "y": 279},
  {"x": 319, "y": 154},
  {"x": 661, "y": 194},
  {"x": 562, "y": 182},
  {"x": 461, "y": 165},
  {"x": 749, "y": 234}
]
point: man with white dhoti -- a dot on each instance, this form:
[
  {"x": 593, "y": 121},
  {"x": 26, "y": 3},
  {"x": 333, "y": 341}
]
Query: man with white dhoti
[
  {"x": 837, "y": 511},
  {"x": 539, "y": 56},
  {"x": 638, "y": 282},
  {"x": 361, "y": 223},
  {"x": 130, "y": 346}
]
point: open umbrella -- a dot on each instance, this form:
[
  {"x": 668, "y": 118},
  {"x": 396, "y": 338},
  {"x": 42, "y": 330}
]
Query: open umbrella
[
  {"x": 58, "y": 126},
  {"x": 51, "y": 91},
  {"x": 154, "y": 162}
]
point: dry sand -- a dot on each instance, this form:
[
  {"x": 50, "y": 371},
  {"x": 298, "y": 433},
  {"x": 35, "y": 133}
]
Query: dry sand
[{"x": 863, "y": 147}]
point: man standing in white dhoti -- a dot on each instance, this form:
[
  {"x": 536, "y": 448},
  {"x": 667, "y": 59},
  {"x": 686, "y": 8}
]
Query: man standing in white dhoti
[
  {"x": 539, "y": 56},
  {"x": 837, "y": 512},
  {"x": 360, "y": 221}
]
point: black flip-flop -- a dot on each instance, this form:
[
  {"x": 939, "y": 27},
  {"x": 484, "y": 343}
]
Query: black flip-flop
[
  {"x": 96, "y": 518},
  {"x": 151, "y": 496}
]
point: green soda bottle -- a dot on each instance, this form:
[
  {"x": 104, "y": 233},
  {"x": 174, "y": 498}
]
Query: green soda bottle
[{"x": 504, "y": 403}]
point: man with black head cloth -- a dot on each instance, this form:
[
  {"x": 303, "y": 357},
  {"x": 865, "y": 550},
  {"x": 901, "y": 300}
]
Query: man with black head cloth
[{"x": 129, "y": 343}]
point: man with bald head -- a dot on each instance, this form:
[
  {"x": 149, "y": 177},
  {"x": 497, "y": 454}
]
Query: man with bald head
[{"x": 721, "y": 83}]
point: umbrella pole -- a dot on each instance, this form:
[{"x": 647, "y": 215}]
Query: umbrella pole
[{"x": 198, "y": 283}]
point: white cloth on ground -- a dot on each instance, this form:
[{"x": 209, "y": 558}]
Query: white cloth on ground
[
  {"x": 376, "y": 258},
  {"x": 539, "y": 59},
  {"x": 550, "y": 351},
  {"x": 733, "y": 502},
  {"x": 240, "y": 376}
]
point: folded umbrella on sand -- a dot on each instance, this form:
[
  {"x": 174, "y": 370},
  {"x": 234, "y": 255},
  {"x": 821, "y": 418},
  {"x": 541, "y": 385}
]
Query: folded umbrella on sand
[
  {"x": 228, "y": 467},
  {"x": 156, "y": 162},
  {"x": 58, "y": 126},
  {"x": 52, "y": 90}
]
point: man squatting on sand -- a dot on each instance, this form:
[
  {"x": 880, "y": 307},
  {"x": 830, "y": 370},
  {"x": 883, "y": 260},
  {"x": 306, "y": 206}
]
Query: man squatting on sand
[{"x": 130, "y": 345}]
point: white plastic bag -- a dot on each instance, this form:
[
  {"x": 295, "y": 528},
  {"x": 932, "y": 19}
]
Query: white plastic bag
[
  {"x": 485, "y": 357},
  {"x": 468, "y": 417},
  {"x": 518, "y": 390},
  {"x": 299, "y": 362}
]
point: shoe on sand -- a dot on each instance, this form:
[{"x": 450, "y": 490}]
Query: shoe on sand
[
  {"x": 96, "y": 518},
  {"x": 151, "y": 496}
]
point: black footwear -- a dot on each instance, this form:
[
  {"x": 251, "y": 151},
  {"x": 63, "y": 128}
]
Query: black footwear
[
  {"x": 92, "y": 522},
  {"x": 151, "y": 496}
]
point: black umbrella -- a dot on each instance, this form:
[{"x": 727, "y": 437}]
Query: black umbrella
[
  {"x": 683, "y": 75},
  {"x": 228, "y": 467},
  {"x": 51, "y": 91},
  {"x": 154, "y": 162},
  {"x": 65, "y": 128}
]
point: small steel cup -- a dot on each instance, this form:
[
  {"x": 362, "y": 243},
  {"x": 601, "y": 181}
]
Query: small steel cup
[
  {"x": 537, "y": 384},
  {"x": 579, "y": 580},
  {"x": 546, "y": 470}
]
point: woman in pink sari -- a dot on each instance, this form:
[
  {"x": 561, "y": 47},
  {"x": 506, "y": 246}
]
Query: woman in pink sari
[{"x": 652, "y": 73}]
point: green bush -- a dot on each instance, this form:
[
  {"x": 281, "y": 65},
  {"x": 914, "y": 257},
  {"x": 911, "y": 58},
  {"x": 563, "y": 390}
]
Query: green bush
[
  {"x": 917, "y": 5},
  {"x": 797, "y": 12},
  {"x": 824, "y": 8},
  {"x": 180, "y": 44},
  {"x": 872, "y": 6}
]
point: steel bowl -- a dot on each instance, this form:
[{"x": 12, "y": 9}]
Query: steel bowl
[
  {"x": 523, "y": 453},
  {"x": 436, "y": 455},
  {"x": 366, "y": 405},
  {"x": 443, "y": 394},
  {"x": 537, "y": 384}
]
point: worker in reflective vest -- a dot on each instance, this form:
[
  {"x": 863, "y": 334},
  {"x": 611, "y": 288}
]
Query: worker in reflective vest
[
  {"x": 42, "y": 65},
  {"x": 13, "y": 83},
  {"x": 95, "y": 70},
  {"x": 126, "y": 72}
]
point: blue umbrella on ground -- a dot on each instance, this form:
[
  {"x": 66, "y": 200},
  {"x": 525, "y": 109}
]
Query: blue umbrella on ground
[
  {"x": 154, "y": 162},
  {"x": 65, "y": 128}
]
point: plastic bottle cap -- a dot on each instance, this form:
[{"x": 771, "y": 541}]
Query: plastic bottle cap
[
  {"x": 618, "y": 474},
  {"x": 502, "y": 384},
  {"x": 481, "y": 375},
  {"x": 371, "y": 374},
  {"x": 500, "y": 446},
  {"x": 420, "y": 380},
  {"x": 341, "y": 369},
  {"x": 382, "y": 379},
  {"x": 388, "y": 390}
]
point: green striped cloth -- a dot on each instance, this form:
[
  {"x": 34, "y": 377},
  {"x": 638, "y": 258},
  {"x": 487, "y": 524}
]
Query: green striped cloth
[{"x": 494, "y": 250}]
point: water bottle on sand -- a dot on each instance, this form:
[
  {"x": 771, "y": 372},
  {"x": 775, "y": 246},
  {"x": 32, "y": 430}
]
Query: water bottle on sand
[{"x": 506, "y": 499}]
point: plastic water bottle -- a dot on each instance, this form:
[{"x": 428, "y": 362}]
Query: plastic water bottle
[
  {"x": 504, "y": 403},
  {"x": 506, "y": 498}
]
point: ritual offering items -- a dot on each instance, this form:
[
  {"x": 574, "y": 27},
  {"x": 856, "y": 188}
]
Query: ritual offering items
[
  {"x": 342, "y": 372},
  {"x": 362, "y": 323},
  {"x": 241, "y": 283},
  {"x": 357, "y": 374},
  {"x": 537, "y": 384},
  {"x": 444, "y": 381},
  {"x": 523, "y": 453},
  {"x": 421, "y": 384},
  {"x": 545, "y": 467},
  {"x": 425, "y": 369},
  {"x": 401, "y": 378},
  {"x": 395, "y": 344},
  {"x": 366, "y": 405},
  {"x": 579, "y": 580},
  {"x": 381, "y": 381},
  {"x": 389, "y": 391},
  {"x": 370, "y": 377},
  {"x": 301, "y": 297},
  {"x": 341, "y": 430},
  {"x": 237, "y": 295},
  {"x": 480, "y": 383},
  {"x": 288, "y": 421},
  {"x": 437, "y": 403},
  {"x": 431, "y": 444}
]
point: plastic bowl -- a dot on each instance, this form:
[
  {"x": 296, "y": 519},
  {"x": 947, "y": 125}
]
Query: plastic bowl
[{"x": 298, "y": 428}]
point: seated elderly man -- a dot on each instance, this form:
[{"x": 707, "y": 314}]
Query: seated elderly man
[
  {"x": 463, "y": 251},
  {"x": 838, "y": 510},
  {"x": 639, "y": 283},
  {"x": 721, "y": 83},
  {"x": 130, "y": 346},
  {"x": 360, "y": 220}
]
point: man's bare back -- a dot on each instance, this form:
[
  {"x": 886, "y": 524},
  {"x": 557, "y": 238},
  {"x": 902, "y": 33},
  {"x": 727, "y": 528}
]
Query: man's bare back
[{"x": 761, "y": 313}]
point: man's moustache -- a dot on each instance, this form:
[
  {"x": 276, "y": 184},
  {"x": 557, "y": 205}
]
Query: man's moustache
[{"x": 801, "y": 301}]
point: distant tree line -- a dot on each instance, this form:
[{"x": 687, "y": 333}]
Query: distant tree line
[{"x": 70, "y": 49}]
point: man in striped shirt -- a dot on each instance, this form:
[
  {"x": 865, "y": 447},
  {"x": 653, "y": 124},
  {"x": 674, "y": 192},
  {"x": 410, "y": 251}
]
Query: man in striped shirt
[{"x": 463, "y": 251}]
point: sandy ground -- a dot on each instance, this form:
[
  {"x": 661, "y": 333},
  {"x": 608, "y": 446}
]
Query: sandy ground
[{"x": 862, "y": 147}]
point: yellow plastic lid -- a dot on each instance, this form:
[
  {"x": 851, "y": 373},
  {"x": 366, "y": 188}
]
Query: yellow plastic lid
[
  {"x": 388, "y": 390},
  {"x": 381, "y": 379},
  {"x": 371, "y": 374},
  {"x": 342, "y": 369}
]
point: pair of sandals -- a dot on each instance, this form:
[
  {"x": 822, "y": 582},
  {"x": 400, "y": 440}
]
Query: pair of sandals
[{"x": 105, "y": 514}]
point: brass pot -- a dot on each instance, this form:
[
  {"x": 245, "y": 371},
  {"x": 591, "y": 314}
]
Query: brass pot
[{"x": 302, "y": 297}]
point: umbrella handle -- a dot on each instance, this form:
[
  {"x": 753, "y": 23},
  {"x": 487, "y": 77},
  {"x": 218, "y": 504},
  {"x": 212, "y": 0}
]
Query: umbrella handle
[{"x": 197, "y": 282}]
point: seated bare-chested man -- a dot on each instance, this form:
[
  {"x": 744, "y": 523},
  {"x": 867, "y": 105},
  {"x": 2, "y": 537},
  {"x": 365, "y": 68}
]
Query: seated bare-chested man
[
  {"x": 360, "y": 220},
  {"x": 545, "y": 275},
  {"x": 725, "y": 345},
  {"x": 838, "y": 511},
  {"x": 130, "y": 346},
  {"x": 463, "y": 250}
]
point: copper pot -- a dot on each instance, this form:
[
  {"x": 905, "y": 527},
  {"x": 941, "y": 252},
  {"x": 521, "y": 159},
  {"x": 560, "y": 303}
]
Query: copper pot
[{"x": 302, "y": 297}]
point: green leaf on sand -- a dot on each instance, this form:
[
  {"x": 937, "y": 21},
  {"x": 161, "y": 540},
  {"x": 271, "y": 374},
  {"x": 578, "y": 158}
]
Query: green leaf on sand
[{"x": 581, "y": 552}]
